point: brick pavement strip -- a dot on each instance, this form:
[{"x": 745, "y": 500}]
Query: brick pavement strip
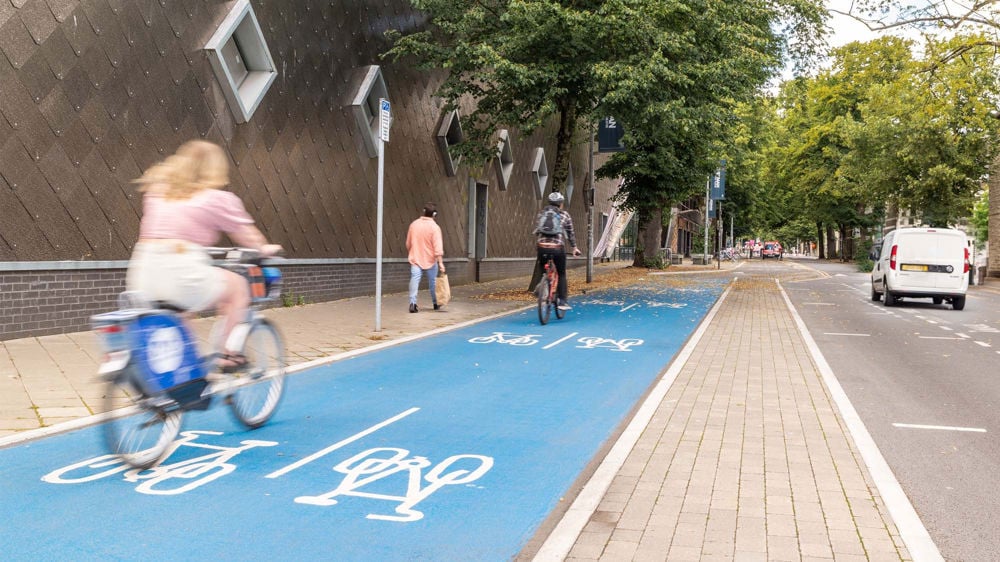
[{"x": 749, "y": 450}]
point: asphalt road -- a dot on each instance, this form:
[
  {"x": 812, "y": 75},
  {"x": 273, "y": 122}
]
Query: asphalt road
[{"x": 925, "y": 380}]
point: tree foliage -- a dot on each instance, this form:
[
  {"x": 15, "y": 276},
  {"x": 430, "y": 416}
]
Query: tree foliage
[
  {"x": 669, "y": 70},
  {"x": 881, "y": 127}
]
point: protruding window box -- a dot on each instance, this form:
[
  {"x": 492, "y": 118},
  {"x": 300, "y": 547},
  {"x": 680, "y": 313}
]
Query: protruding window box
[
  {"x": 449, "y": 134},
  {"x": 504, "y": 161},
  {"x": 570, "y": 185},
  {"x": 241, "y": 60},
  {"x": 364, "y": 105},
  {"x": 540, "y": 172}
]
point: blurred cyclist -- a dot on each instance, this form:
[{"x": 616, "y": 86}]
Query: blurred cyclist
[
  {"x": 553, "y": 228},
  {"x": 185, "y": 208}
]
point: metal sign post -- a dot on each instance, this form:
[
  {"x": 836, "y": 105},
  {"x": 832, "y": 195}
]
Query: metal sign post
[
  {"x": 708, "y": 215},
  {"x": 385, "y": 121}
]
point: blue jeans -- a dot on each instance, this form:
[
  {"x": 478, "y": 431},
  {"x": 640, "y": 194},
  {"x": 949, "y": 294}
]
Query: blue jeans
[{"x": 415, "y": 273}]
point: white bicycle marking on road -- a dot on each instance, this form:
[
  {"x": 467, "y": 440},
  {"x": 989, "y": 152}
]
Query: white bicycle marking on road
[
  {"x": 197, "y": 471},
  {"x": 507, "y": 338},
  {"x": 371, "y": 466},
  {"x": 605, "y": 343}
]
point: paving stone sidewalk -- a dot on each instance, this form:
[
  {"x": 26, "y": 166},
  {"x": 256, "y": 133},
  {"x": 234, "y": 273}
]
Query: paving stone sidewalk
[{"x": 746, "y": 457}]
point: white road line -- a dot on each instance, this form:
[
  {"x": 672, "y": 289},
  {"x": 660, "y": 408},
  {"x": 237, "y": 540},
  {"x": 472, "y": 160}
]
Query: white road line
[
  {"x": 915, "y": 536},
  {"x": 559, "y": 341},
  {"x": 843, "y": 334},
  {"x": 982, "y": 343},
  {"x": 341, "y": 443},
  {"x": 820, "y": 303},
  {"x": 947, "y": 328},
  {"x": 557, "y": 546},
  {"x": 629, "y": 306},
  {"x": 941, "y": 427},
  {"x": 939, "y": 338},
  {"x": 933, "y": 322},
  {"x": 963, "y": 336}
]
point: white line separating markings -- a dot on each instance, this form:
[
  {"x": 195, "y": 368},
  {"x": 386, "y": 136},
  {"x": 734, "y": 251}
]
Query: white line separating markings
[
  {"x": 845, "y": 334},
  {"x": 940, "y": 338},
  {"x": 963, "y": 336},
  {"x": 629, "y": 306},
  {"x": 341, "y": 443},
  {"x": 983, "y": 344},
  {"x": 915, "y": 536},
  {"x": 558, "y": 544},
  {"x": 559, "y": 341},
  {"x": 820, "y": 303},
  {"x": 947, "y": 328},
  {"x": 939, "y": 427}
]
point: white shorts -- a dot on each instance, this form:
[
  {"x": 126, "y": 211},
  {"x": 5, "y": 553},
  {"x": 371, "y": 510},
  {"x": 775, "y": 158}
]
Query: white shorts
[{"x": 179, "y": 273}]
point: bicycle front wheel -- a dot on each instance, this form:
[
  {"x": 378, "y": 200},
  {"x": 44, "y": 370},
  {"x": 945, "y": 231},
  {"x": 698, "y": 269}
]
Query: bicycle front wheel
[
  {"x": 259, "y": 386},
  {"x": 542, "y": 292},
  {"x": 142, "y": 439}
]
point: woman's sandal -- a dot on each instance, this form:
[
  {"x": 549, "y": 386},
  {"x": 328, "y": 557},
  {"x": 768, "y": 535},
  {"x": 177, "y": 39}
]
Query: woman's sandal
[{"x": 232, "y": 362}]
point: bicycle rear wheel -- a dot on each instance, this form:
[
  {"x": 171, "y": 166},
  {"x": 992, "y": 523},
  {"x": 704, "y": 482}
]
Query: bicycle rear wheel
[
  {"x": 142, "y": 439},
  {"x": 259, "y": 386},
  {"x": 542, "y": 292}
]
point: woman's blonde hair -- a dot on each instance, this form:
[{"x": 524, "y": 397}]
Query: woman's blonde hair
[{"x": 196, "y": 165}]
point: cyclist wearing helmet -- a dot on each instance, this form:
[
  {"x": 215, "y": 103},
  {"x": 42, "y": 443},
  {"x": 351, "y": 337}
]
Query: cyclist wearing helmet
[{"x": 551, "y": 240}]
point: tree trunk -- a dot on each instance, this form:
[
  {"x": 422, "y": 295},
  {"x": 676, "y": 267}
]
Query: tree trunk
[
  {"x": 564, "y": 144},
  {"x": 845, "y": 243},
  {"x": 820, "y": 242},
  {"x": 651, "y": 235},
  {"x": 831, "y": 243}
]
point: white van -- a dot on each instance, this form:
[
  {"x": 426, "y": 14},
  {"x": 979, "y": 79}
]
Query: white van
[{"x": 922, "y": 263}]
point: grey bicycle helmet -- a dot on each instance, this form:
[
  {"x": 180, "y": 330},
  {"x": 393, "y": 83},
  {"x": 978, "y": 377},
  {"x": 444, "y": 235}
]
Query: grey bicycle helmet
[{"x": 556, "y": 197}]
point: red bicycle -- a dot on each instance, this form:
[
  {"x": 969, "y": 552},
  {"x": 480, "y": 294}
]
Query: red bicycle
[{"x": 547, "y": 291}]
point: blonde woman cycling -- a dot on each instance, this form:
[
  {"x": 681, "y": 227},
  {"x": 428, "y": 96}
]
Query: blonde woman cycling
[{"x": 185, "y": 208}]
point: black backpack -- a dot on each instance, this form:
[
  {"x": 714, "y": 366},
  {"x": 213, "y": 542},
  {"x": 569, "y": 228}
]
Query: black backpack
[{"x": 550, "y": 222}]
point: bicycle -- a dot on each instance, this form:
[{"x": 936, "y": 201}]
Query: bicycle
[
  {"x": 730, "y": 255},
  {"x": 547, "y": 291},
  {"x": 152, "y": 364}
]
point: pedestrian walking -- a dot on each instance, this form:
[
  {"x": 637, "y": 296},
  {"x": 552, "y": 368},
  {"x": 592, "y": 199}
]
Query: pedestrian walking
[{"x": 426, "y": 248}]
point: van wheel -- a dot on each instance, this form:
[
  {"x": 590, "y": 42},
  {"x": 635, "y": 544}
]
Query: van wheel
[
  {"x": 876, "y": 296},
  {"x": 937, "y": 300},
  {"x": 958, "y": 303},
  {"x": 890, "y": 299}
]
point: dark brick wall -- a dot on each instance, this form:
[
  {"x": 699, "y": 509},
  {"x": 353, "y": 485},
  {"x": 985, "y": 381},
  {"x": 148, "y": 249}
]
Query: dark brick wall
[
  {"x": 38, "y": 303},
  {"x": 34, "y": 303}
]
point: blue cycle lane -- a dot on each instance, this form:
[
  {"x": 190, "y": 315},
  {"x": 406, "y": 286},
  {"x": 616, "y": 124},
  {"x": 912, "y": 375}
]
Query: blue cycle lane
[{"x": 451, "y": 447}]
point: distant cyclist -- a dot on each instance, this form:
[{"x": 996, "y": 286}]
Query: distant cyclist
[{"x": 553, "y": 228}]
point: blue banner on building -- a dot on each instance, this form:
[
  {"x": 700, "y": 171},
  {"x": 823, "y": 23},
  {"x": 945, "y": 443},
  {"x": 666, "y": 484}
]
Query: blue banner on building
[
  {"x": 712, "y": 213},
  {"x": 609, "y": 136},
  {"x": 718, "y": 189}
]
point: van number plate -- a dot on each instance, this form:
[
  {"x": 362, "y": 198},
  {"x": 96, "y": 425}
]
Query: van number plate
[{"x": 912, "y": 267}]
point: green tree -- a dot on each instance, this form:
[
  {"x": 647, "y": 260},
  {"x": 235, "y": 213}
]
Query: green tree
[
  {"x": 669, "y": 70},
  {"x": 981, "y": 218}
]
